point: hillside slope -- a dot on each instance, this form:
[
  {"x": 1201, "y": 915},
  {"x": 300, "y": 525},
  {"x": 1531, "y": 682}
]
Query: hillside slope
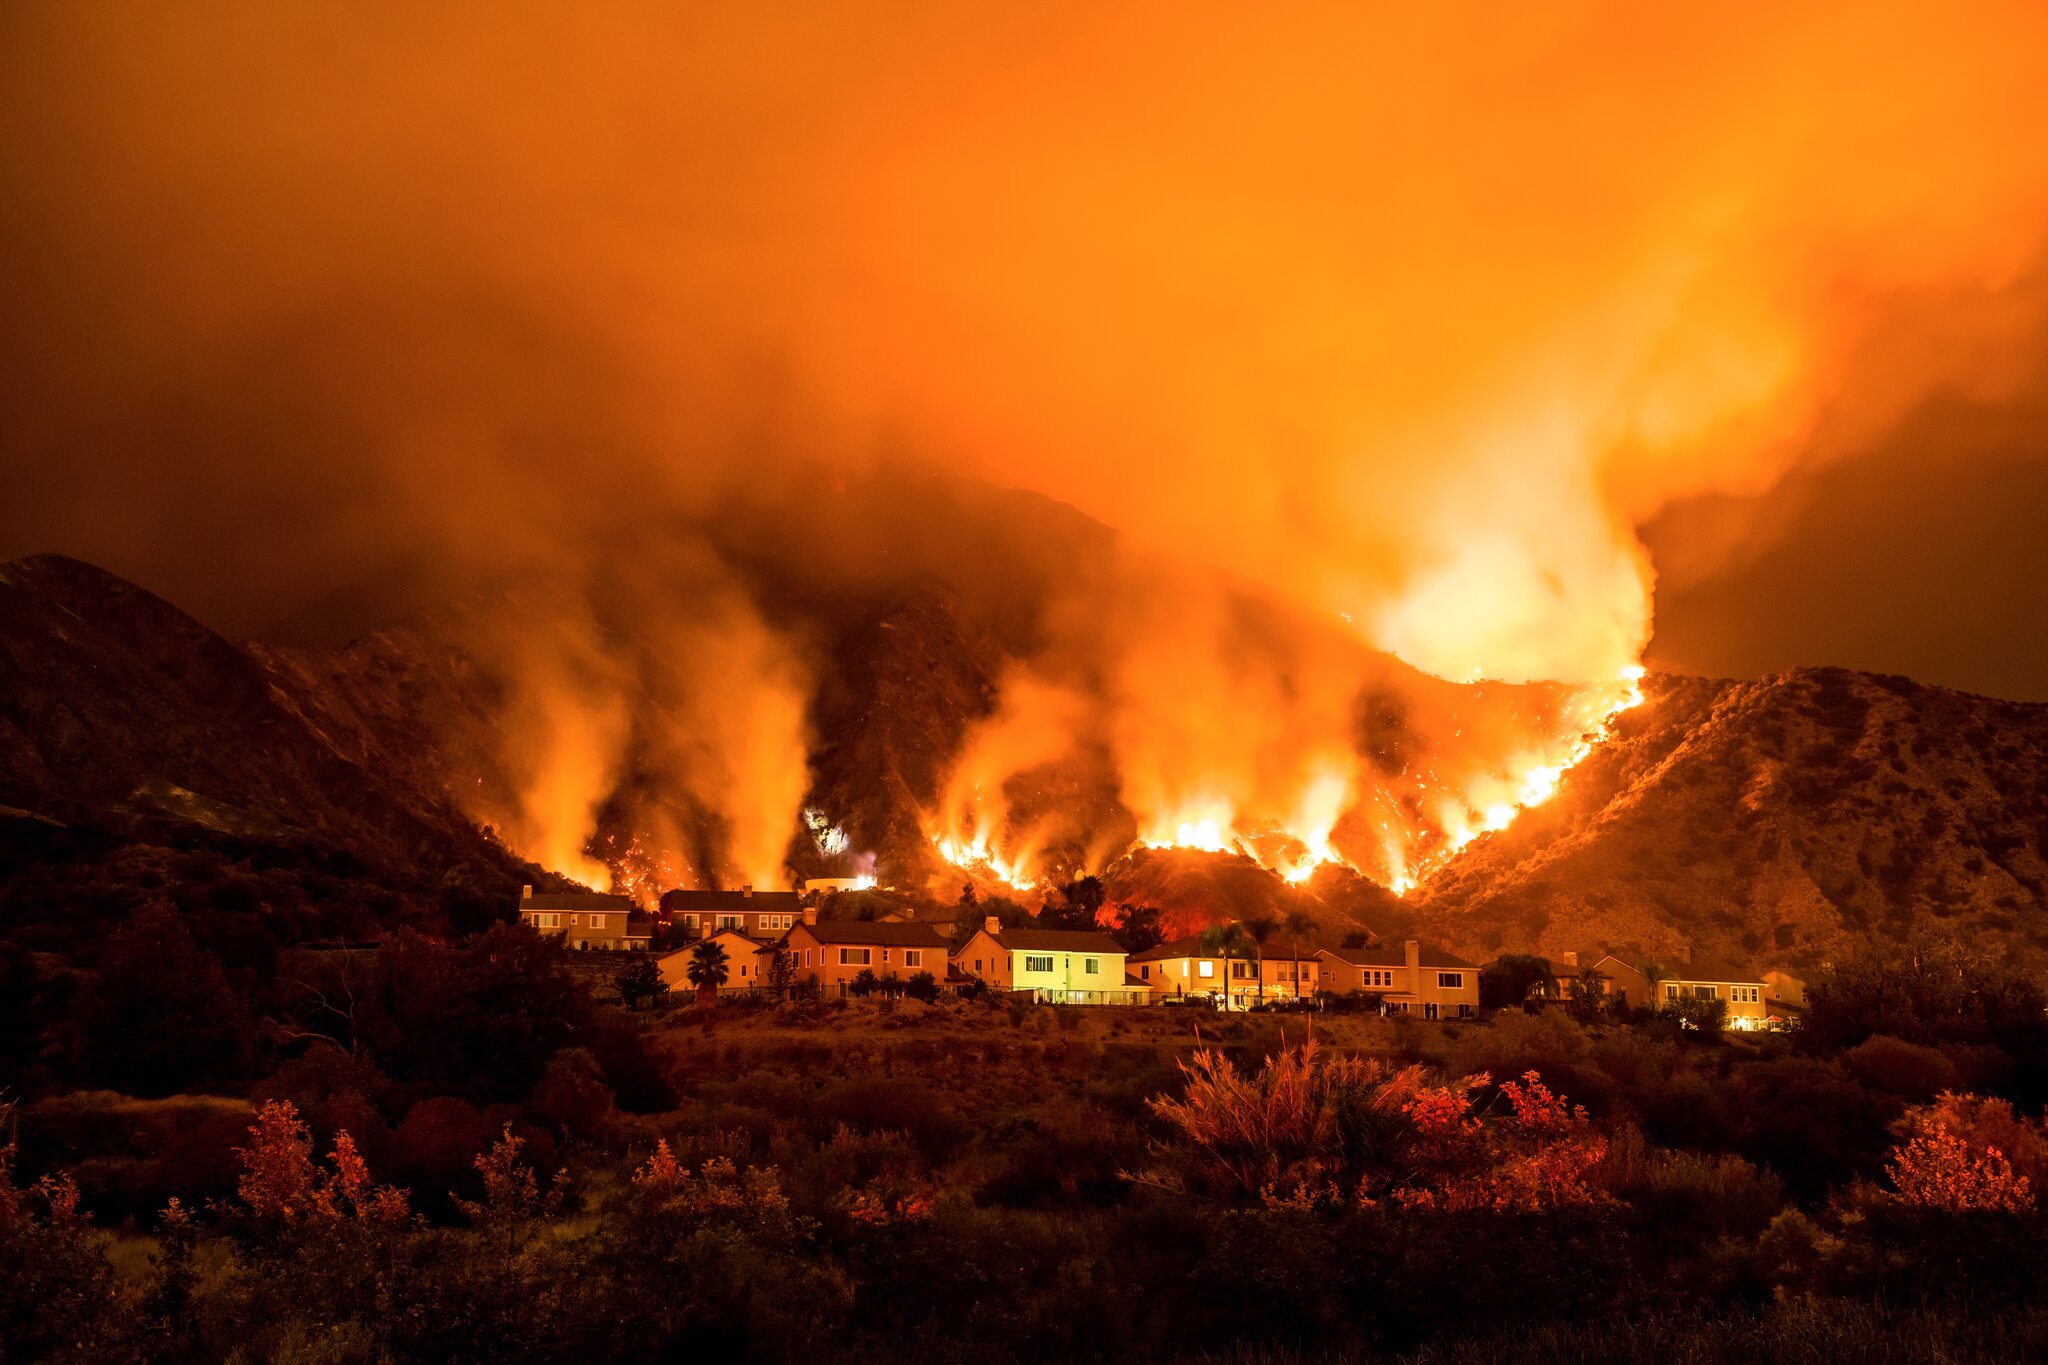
[
  {"x": 122, "y": 712},
  {"x": 1776, "y": 821}
]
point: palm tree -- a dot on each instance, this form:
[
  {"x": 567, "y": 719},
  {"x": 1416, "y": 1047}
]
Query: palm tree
[
  {"x": 707, "y": 970},
  {"x": 1224, "y": 940},
  {"x": 1260, "y": 928},
  {"x": 1297, "y": 923},
  {"x": 1656, "y": 973}
]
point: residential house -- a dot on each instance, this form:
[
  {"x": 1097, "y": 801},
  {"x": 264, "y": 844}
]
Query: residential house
[
  {"x": 746, "y": 963},
  {"x": 1184, "y": 967},
  {"x": 1640, "y": 981},
  {"x": 1410, "y": 979},
  {"x": 584, "y": 919},
  {"x": 760, "y": 915},
  {"x": 831, "y": 953},
  {"x": 1060, "y": 966},
  {"x": 1277, "y": 968}
]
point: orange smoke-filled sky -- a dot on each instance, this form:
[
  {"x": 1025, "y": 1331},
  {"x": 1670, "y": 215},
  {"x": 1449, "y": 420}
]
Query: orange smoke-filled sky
[{"x": 1413, "y": 315}]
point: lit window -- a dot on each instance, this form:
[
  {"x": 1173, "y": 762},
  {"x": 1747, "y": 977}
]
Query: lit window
[{"x": 1206, "y": 969}]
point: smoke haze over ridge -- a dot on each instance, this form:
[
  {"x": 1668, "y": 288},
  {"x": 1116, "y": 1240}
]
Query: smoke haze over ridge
[{"x": 1410, "y": 320}]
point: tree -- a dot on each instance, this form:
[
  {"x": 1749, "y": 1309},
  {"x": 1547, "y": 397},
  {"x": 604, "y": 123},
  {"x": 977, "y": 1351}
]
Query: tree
[
  {"x": 781, "y": 968},
  {"x": 1656, "y": 973},
  {"x": 641, "y": 980},
  {"x": 1260, "y": 929},
  {"x": 1511, "y": 980},
  {"x": 922, "y": 986},
  {"x": 1297, "y": 923},
  {"x": 1078, "y": 906},
  {"x": 1696, "y": 1014},
  {"x": 972, "y": 915},
  {"x": 1137, "y": 927},
  {"x": 161, "y": 1016},
  {"x": 1225, "y": 941},
  {"x": 707, "y": 970}
]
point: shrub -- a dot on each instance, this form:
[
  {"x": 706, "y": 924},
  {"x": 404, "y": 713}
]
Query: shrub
[{"x": 1893, "y": 1066}]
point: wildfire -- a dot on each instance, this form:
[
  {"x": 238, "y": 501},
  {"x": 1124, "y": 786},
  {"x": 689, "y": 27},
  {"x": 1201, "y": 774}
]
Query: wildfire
[
  {"x": 1296, "y": 848},
  {"x": 977, "y": 855}
]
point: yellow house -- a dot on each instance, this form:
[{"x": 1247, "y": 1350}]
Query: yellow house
[
  {"x": 1639, "y": 981},
  {"x": 831, "y": 953},
  {"x": 745, "y": 964},
  {"x": 1410, "y": 979},
  {"x": 1060, "y": 966},
  {"x": 583, "y": 919}
]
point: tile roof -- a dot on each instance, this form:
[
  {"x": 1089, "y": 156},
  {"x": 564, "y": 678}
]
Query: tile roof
[
  {"x": 727, "y": 902},
  {"x": 574, "y": 900},
  {"x": 1058, "y": 941},
  {"x": 1396, "y": 955},
  {"x": 877, "y": 932}
]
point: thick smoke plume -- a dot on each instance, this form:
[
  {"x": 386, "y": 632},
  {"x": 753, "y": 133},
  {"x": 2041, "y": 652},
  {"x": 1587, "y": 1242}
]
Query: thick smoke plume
[{"x": 1404, "y": 320}]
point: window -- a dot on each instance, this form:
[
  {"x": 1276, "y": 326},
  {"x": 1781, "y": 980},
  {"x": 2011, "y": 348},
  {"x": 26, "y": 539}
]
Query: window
[
  {"x": 977, "y": 966},
  {"x": 1091, "y": 966},
  {"x": 912, "y": 957},
  {"x": 1705, "y": 993},
  {"x": 807, "y": 957},
  {"x": 854, "y": 957},
  {"x": 885, "y": 954},
  {"x": 730, "y": 921},
  {"x": 1145, "y": 971},
  {"x": 548, "y": 919},
  {"x": 1240, "y": 970},
  {"x": 575, "y": 919},
  {"x": 1670, "y": 991},
  {"x": 1037, "y": 964},
  {"x": 1207, "y": 969},
  {"x": 597, "y": 921},
  {"x": 743, "y": 969},
  {"x": 1450, "y": 981}
]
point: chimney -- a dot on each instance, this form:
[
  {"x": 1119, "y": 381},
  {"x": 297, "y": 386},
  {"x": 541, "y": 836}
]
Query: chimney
[
  {"x": 810, "y": 914},
  {"x": 1571, "y": 959},
  {"x": 1685, "y": 954},
  {"x": 747, "y": 891},
  {"x": 526, "y": 893},
  {"x": 1414, "y": 964},
  {"x": 994, "y": 925}
]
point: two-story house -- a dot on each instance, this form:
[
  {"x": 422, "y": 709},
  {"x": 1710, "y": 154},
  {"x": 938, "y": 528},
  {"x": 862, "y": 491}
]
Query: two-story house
[
  {"x": 1186, "y": 967},
  {"x": 761, "y": 915},
  {"x": 1060, "y": 966},
  {"x": 584, "y": 919},
  {"x": 1409, "y": 979},
  {"x": 831, "y": 953}
]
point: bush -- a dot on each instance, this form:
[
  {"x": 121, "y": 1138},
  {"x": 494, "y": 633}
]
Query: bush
[{"x": 1893, "y": 1066}]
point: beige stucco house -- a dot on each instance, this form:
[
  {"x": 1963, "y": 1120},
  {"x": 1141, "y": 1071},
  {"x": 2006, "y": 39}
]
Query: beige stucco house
[
  {"x": 831, "y": 953},
  {"x": 1410, "y": 979},
  {"x": 582, "y": 919}
]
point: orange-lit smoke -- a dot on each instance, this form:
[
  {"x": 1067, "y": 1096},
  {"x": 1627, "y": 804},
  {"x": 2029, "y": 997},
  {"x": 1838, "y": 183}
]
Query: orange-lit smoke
[{"x": 1404, "y": 316}]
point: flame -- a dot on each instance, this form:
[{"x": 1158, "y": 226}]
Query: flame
[
  {"x": 977, "y": 855},
  {"x": 1296, "y": 847}
]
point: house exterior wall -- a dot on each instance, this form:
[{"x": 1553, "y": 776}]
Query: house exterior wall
[
  {"x": 1056, "y": 970},
  {"x": 1440, "y": 992},
  {"x": 833, "y": 965},
  {"x": 743, "y": 964},
  {"x": 599, "y": 929},
  {"x": 1745, "y": 999}
]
